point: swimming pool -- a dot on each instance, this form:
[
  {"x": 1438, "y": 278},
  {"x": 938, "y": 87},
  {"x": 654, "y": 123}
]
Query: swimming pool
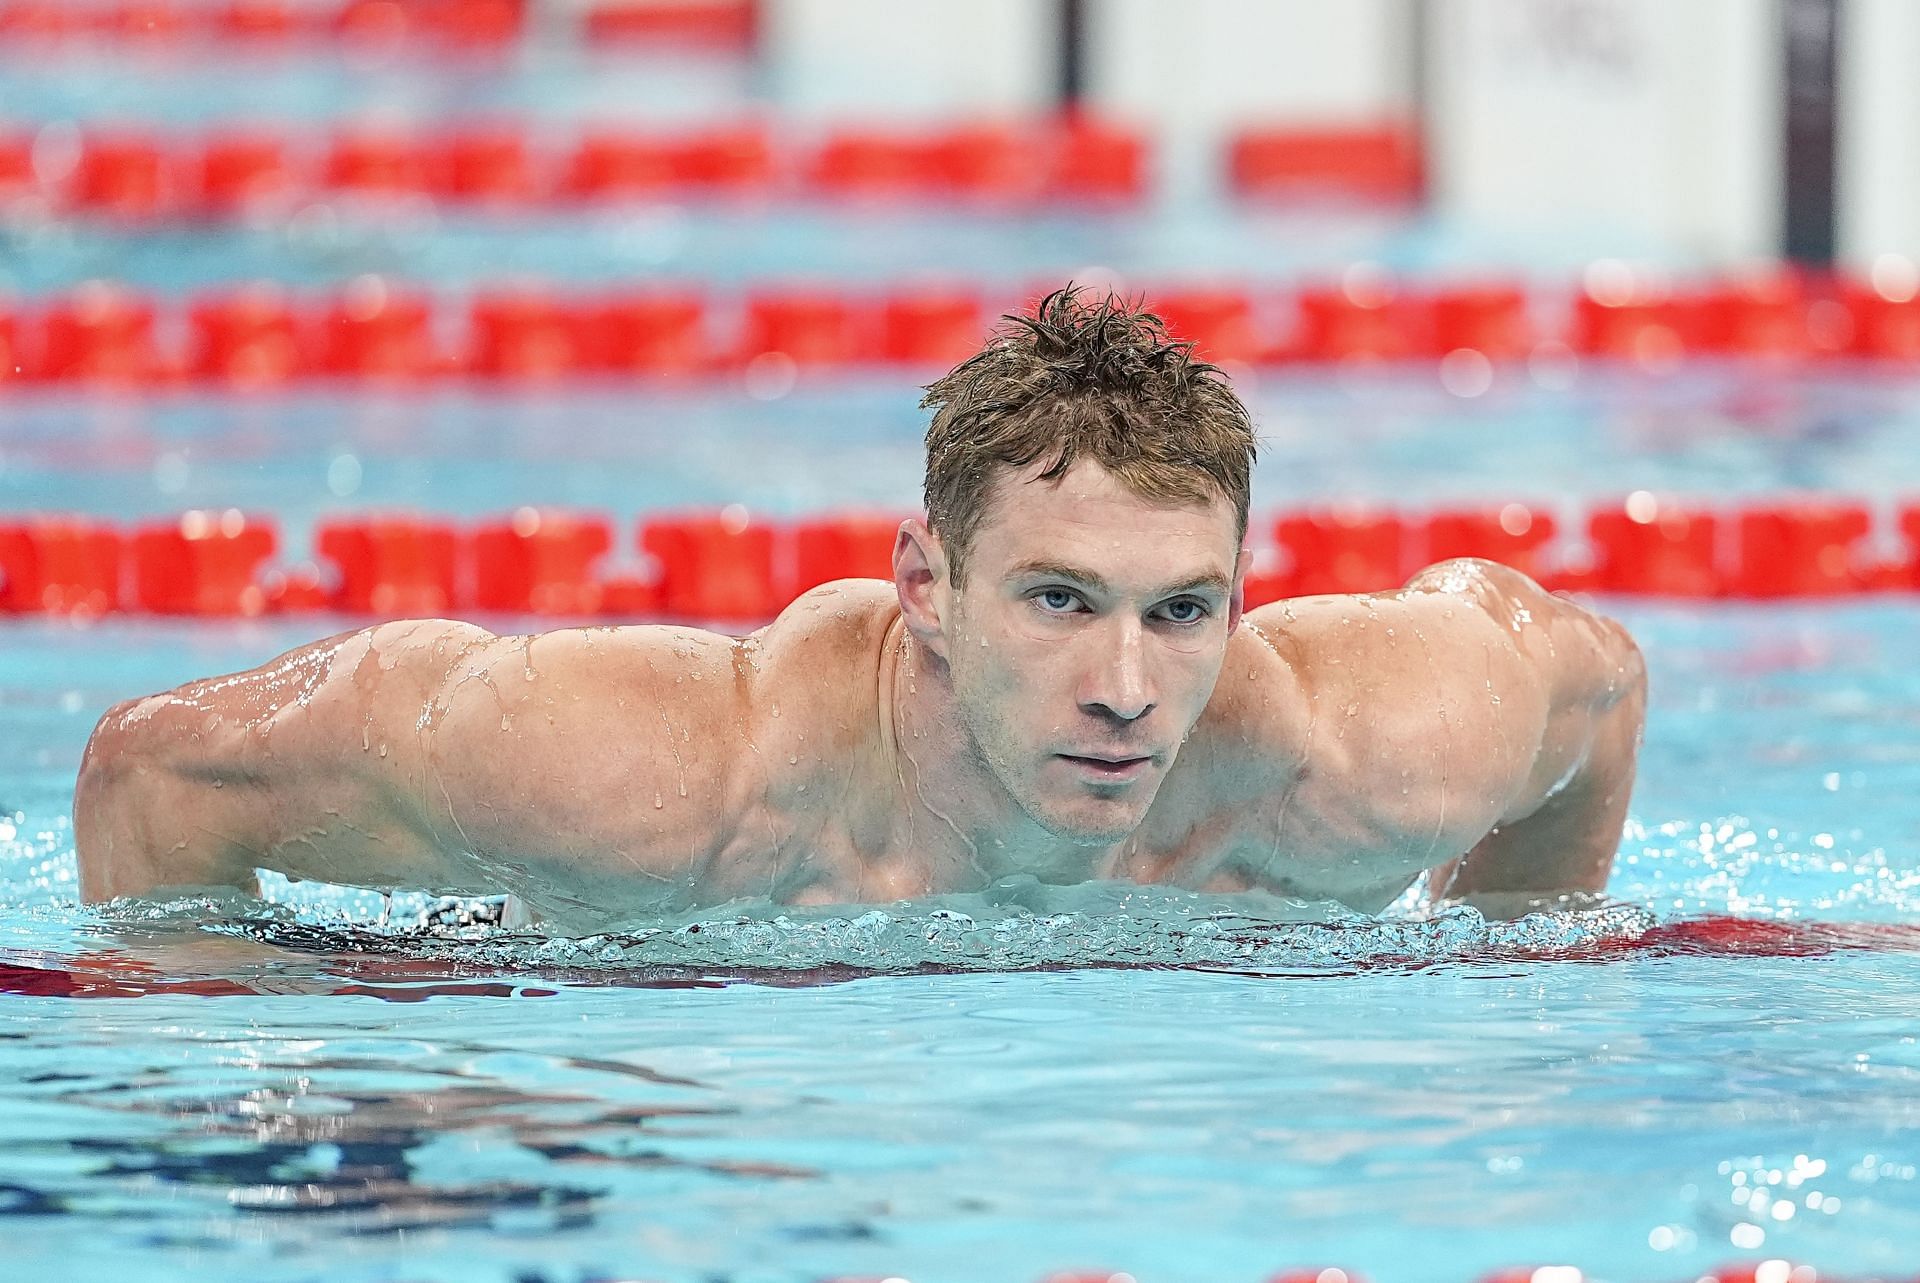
[
  {"x": 1192, "y": 1090},
  {"x": 1422, "y": 1101}
]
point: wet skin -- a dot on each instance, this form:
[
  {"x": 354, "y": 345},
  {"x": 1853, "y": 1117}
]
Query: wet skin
[{"x": 1089, "y": 701}]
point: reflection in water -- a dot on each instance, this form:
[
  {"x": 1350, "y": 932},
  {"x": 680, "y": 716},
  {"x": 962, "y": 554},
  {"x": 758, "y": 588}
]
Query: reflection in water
[{"x": 372, "y": 1162}]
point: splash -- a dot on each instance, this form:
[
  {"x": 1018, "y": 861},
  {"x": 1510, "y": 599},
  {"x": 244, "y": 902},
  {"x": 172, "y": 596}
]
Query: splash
[{"x": 1017, "y": 924}]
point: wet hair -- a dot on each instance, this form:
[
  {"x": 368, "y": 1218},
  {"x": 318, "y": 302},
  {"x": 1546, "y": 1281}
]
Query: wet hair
[{"x": 1083, "y": 379}]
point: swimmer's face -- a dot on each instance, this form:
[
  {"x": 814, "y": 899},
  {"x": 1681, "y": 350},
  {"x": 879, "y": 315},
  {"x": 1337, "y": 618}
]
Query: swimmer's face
[{"x": 1086, "y": 641}]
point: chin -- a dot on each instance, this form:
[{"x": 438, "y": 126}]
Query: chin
[{"x": 1084, "y": 826}]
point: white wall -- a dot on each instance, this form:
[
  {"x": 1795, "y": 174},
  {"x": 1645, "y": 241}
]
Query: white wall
[
  {"x": 1214, "y": 64},
  {"x": 1617, "y": 123},
  {"x": 885, "y": 60},
  {"x": 1877, "y": 161}
]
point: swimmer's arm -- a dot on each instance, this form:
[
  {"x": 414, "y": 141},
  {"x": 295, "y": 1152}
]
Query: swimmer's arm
[
  {"x": 1556, "y": 840},
  {"x": 427, "y": 754},
  {"x": 300, "y": 765},
  {"x": 1472, "y": 712}
]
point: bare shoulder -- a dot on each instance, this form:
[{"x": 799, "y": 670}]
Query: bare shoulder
[
  {"x": 1407, "y": 724},
  {"x": 817, "y": 668}
]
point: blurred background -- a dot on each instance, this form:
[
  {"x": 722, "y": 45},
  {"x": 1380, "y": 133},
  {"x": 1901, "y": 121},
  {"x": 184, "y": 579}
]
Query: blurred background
[{"x": 1533, "y": 263}]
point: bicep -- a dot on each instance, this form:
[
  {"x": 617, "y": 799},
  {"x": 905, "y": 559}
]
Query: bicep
[
  {"x": 1422, "y": 726},
  {"x": 588, "y": 757}
]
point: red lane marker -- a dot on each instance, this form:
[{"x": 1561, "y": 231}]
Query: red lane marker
[
  {"x": 1382, "y": 163},
  {"x": 206, "y": 563}
]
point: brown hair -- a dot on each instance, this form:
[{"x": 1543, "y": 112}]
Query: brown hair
[{"x": 1083, "y": 380}]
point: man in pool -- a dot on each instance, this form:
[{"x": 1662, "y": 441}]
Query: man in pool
[{"x": 1060, "y": 681}]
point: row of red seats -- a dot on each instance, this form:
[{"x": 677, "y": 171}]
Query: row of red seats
[
  {"x": 136, "y": 175},
  {"x": 413, "y": 24},
  {"x": 728, "y": 566},
  {"x": 262, "y": 335}
]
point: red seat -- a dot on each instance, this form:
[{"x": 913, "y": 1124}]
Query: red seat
[
  {"x": 713, "y": 567},
  {"x": 99, "y": 332},
  {"x": 930, "y": 327},
  {"x": 1344, "y": 549},
  {"x": 843, "y": 546},
  {"x": 371, "y": 331},
  {"x": 394, "y": 566},
  {"x": 236, "y": 173},
  {"x": 247, "y": 337},
  {"x": 120, "y": 175},
  {"x": 524, "y": 335},
  {"x": 204, "y": 563},
  {"x": 1802, "y": 548},
  {"x": 1219, "y": 323},
  {"x": 540, "y": 562},
  {"x": 1379, "y": 163},
  {"x": 811, "y": 327},
  {"x": 1660, "y": 547},
  {"x": 1513, "y": 534},
  {"x": 59, "y": 565},
  {"x": 662, "y": 332}
]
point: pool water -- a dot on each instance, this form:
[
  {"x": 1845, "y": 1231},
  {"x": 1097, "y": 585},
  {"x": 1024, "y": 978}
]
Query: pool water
[
  {"x": 345, "y": 1087},
  {"x": 939, "y": 1092}
]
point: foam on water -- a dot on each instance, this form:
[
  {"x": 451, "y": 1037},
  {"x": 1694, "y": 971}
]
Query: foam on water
[{"x": 1017, "y": 924}]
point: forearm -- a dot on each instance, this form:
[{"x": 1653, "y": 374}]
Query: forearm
[
  {"x": 1566, "y": 847},
  {"x": 309, "y": 766},
  {"x": 140, "y": 827}
]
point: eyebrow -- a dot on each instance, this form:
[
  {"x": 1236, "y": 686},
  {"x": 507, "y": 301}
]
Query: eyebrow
[{"x": 1040, "y": 569}]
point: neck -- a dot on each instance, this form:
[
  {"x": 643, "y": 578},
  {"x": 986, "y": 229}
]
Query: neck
[{"x": 962, "y": 820}]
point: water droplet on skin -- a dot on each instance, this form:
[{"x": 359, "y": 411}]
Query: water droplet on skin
[
  {"x": 793, "y": 759},
  {"x": 776, "y": 710},
  {"x": 219, "y": 784},
  {"x": 1353, "y": 710},
  {"x": 658, "y": 801},
  {"x": 383, "y": 750},
  {"x": 506, "y": 721}
]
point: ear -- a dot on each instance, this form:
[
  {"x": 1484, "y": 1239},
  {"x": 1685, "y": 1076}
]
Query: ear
[
  {"x": 1237, "y": 602},
  {"x": 920, "y": 577}
]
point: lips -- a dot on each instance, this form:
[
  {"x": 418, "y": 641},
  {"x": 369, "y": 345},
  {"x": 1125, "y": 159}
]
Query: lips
[{"x": 1110, "y": 766}]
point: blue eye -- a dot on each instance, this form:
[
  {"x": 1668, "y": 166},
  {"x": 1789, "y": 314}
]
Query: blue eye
[
  {"x": 1058, "y": 600},
  {"x": 1185, "y": 611}
]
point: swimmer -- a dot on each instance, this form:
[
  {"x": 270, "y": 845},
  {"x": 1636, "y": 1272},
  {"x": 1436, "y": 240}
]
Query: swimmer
[{"x": 1060, "y": 681}]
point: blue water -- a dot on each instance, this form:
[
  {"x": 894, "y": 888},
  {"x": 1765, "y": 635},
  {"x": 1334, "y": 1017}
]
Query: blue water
[{"x": 337, "y": 1086}]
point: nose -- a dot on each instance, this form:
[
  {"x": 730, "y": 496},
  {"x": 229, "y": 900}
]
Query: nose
[{"x": 1118, "y": 685}]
